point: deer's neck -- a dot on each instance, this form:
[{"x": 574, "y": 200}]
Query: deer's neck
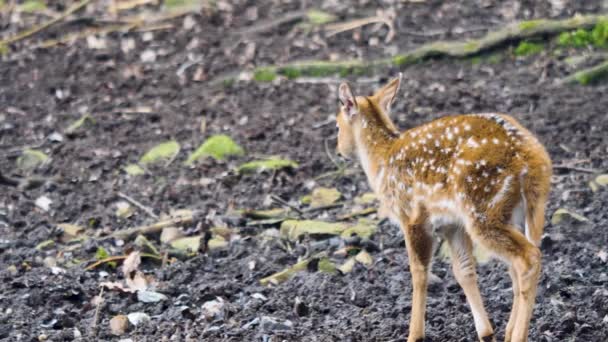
[{"x": 374, "y": 139}]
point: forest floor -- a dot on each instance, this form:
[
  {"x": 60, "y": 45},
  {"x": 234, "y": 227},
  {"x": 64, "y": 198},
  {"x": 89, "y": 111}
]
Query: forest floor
[{"x": 149, "y": 85}]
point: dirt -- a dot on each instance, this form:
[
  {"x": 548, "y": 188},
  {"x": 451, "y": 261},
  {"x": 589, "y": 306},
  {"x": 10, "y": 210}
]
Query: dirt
[{"x": 136, "y": 105}]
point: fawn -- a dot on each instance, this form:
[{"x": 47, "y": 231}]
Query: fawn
[{"x": 478, "y": 178}]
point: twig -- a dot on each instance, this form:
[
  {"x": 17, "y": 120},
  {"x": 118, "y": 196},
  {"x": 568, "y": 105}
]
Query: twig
[
  {"x": 330, "y": 156},
  {"x": 118, "y": 258},
  {"x": 96, "y": 316},
  {"x": 153, "y": 228},
  {"x": 574, "y": 168},
  {"x": 137, "y": 204},
  {"x": 45, "y": 25},
  {"x": 363, "y": 212},
  {"x": 334, "y": 29},
  {"x": 265, "y": 26},
  {"x": 285, "y": 203},
  {"x": 323, "y": 207}
]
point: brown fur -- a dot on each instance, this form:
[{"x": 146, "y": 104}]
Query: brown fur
[{"x": 474, "y": 173}]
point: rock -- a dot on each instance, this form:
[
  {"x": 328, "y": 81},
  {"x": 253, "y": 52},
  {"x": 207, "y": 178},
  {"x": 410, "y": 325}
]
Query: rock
[
  {"x": 150, "y": 296},
  {"x": 271, "y": 324},
  {"x": 137, "y": 318},
  {"x": 119, "y": 325},
  {"x": 300, "y": 308},
  {"x": 213, "y": 309},
  {"x": 568, "y": 323},
  {"x": 44, "y": 203}
]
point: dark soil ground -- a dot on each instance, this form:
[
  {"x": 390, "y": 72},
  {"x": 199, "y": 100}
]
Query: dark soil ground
[{"x": 44, "y": 90}]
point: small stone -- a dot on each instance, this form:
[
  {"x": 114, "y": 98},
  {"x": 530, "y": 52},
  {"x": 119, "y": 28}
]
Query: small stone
[
  {"x": 42, "y": 337},
  {"x": 148, "y": 56},
  {"x": 300, "y": 308},
  {"x": 119, "y": 325},
  {"x": 137, "y": 318},
  {"x": 43, "y": 203},
  {"x": 150, "y": 296},
  {"x": 213, "y": 309},
  {"x": 271, "y": 324}
]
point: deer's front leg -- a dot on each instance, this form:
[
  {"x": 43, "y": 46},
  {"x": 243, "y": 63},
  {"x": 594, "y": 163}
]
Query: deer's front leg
[{"x": 419, "y": 243}]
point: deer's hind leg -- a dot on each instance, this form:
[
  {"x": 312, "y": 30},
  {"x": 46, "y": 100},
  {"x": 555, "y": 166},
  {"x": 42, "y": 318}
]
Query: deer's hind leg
[
  {"x": 464, "y": 268},
  {"x": 524, "y": 259}
]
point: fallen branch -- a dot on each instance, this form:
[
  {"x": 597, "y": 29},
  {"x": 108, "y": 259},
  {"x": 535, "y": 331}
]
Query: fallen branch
[
  {"x": 588, "y": 75},
  {"x": 153, "y": 228},
  {"x": 334, "y": 29},
  {"x": 45, "y": 25},
  {"x": 457, "y": 49},
  {"x": 574, "y": 168}
]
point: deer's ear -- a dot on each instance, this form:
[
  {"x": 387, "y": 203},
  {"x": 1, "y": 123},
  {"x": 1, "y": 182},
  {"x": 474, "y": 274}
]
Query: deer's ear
[
  {"x": 347, "y": 100},
  {"x": 387, "y": 94}
]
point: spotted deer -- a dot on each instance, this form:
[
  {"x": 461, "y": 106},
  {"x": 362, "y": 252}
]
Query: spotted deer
[{"x": 474, "y": 179}]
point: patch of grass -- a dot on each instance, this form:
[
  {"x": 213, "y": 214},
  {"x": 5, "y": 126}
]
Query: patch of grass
[
  {"x": 597, "y": 37},
  {"x": 264, "y": 75},
  {"x": 527, "y": 48}
]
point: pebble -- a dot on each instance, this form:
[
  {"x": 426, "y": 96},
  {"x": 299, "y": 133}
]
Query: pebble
[
  {"x": 119, "y": 325},
  {"x": 137, "y": 318},
  {"x": 271, "y": 324}
]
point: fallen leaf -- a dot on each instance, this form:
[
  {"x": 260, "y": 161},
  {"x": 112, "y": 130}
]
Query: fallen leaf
[
  {"x": 347, "y": 266},
  {"x": 324, "y": 196},
  {"x": 560, "y": 214},
  {"x": 602, "y": 180},
  {"x": 31, "y": 159},
  {"x": 131, "y": 264},
  {"x": 188, "y": 244},
  {"x": 294, "y": 229},
  {"x": 161, "y": 152},
  {"x": 218, "y": 147},
  {"x": 268, "y": 164},
  {"x": 364, "y": 258},
  {"x": 134, "y": 170}
]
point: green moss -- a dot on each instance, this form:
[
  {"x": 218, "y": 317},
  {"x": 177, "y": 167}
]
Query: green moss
[
  {"x": 401, "y": 60},
  {"x": 527, "y": 48},
  {"x": 529, "y": 25},
  {"x": 218, "y": 147},
  {"x": 597, "y": 37},
  {"x": 471, "y": 46},
  {"x": 317, "y": 17},
  {"x": 264, "y": 75}
]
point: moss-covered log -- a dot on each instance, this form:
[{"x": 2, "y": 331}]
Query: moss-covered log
[{"x": 458, "y": 49}]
